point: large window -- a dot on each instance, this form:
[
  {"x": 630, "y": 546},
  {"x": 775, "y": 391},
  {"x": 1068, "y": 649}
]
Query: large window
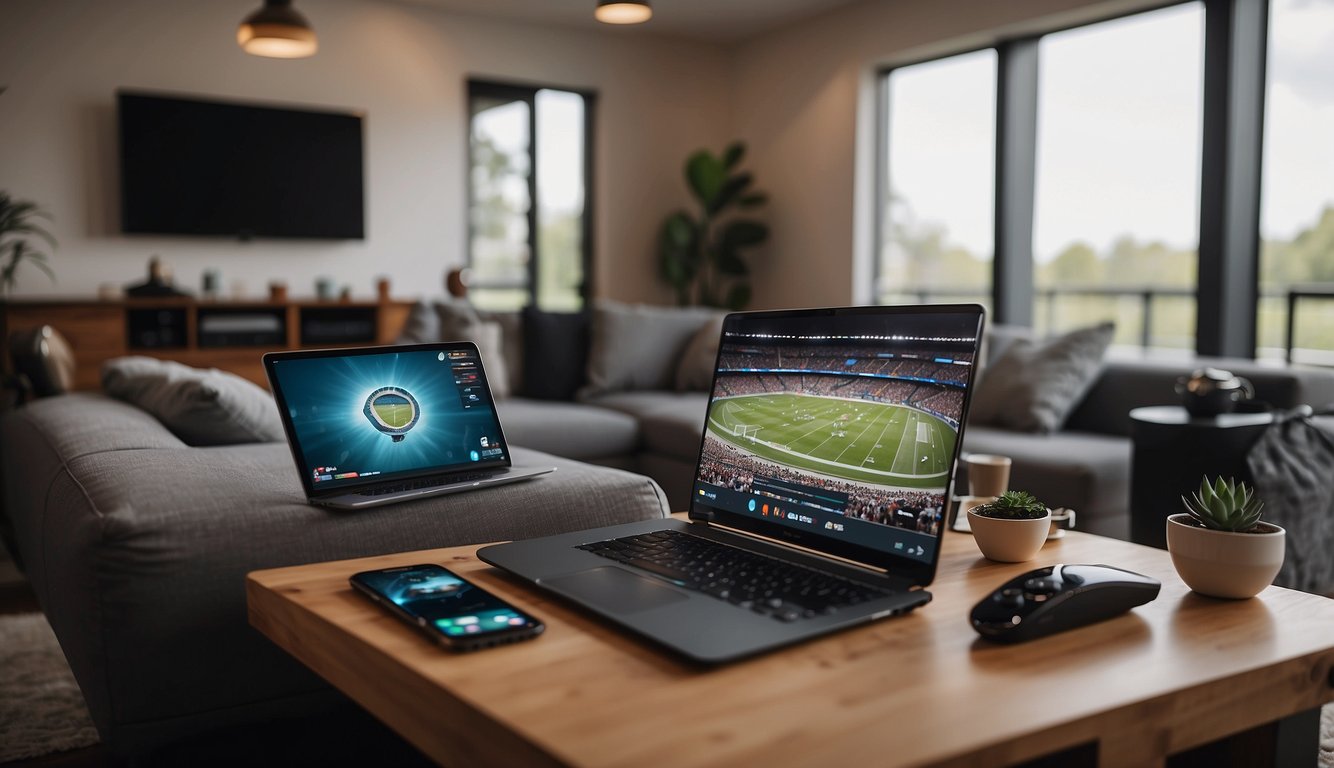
[
  {"x": 1116, "y": 211},
  {"x": 529, "y": 171},
  {"x": 1131, "y": 157},
  {"x": 1297, "y": 206},
  {"x": 939, "y": 178}
]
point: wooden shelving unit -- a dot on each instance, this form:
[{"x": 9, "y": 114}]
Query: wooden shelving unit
[{"x": 229, "y": 335}]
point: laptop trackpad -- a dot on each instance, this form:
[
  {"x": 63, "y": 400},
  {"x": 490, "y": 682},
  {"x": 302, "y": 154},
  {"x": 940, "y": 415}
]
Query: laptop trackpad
[{"x": 615, "y": 590}]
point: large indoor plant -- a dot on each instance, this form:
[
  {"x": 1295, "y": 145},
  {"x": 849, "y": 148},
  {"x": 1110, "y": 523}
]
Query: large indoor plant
[
  {"x": 18, "y": 220},
  {"x": 1219, "y": 545},
  {"x": 700, "y": 255},
  {"x": 1012, "y": 528}
]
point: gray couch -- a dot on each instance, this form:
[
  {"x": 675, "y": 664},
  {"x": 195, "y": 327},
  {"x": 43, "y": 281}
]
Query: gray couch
[
  {"x": 137, "y": 547},
  {"x": 1085, "y": 465}
]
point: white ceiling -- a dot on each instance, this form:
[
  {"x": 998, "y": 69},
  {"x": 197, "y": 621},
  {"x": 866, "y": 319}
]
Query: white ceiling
[{"x": 720, "y": 21}]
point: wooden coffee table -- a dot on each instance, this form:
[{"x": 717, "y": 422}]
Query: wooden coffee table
[{"x": 1237, "y": 682}]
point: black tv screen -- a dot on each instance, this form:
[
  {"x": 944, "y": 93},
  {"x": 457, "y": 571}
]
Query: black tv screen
[{"x": 192, "y": 167}]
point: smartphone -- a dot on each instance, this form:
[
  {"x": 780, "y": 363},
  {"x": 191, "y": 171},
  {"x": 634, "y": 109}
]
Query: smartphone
[{"x": 453, "y": 611}]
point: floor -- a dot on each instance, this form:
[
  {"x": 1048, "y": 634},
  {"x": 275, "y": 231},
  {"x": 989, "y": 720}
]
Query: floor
[{"x": 347, "y": 736}]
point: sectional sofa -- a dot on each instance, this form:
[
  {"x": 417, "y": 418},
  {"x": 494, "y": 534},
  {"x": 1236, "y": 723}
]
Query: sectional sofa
[{"x": 137, "y": 543}]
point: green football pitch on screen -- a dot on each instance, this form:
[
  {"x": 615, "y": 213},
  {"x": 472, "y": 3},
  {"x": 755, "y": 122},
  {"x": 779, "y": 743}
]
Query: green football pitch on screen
[{"x": 850, "y": 439}]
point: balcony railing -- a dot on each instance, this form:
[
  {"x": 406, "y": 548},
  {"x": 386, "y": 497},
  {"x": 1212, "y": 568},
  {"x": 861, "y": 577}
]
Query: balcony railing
[{"x": 1048, "y": 298}]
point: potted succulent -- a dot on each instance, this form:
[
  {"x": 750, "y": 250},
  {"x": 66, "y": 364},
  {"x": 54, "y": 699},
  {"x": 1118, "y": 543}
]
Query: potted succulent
[
  {"x": 1012, "y": 528},
  {"x": 1219, "y": 546}
]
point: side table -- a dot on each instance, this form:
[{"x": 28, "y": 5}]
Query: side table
[{"x": 1172, "y": 451}]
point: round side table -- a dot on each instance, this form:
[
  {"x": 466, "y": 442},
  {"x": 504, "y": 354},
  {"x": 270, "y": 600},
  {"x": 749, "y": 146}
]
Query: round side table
[{"x": 1173, "y": 451}]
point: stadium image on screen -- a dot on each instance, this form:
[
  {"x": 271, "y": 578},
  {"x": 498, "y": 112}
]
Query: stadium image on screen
[{"x": 858, "y": 427}]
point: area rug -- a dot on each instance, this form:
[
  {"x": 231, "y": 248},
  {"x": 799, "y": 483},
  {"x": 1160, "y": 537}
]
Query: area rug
[
  {"x": 1327, "y": 737},
  {"x": 41, "y": 708}
]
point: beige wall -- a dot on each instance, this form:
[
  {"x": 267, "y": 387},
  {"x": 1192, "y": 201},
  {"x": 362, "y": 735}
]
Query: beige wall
[
  {"x": 405, "y": 66},
  {"x": 804, "y": 100}
]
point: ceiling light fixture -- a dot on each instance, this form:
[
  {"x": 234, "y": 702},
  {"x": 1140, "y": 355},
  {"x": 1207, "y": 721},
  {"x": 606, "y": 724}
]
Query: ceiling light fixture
[
  {"x": 623, "y": 11},
  {"x": 277, "y": 30}
]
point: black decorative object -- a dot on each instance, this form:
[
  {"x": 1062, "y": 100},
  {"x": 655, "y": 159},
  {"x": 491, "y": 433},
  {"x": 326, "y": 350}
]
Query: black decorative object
[{"x": 1211, "y": 391}]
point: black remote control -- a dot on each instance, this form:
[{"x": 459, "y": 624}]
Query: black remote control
[{"x": 1057, "y": 598}]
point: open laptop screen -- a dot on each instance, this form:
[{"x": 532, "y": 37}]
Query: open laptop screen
[
  {"x": 355, "y": 417},
  {"x": 838, "y": 429}
]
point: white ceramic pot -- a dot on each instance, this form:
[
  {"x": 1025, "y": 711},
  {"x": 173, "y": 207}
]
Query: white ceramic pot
[
  {"x": 1009, "y": 541},
  {"x": 1223, "y": 563}
]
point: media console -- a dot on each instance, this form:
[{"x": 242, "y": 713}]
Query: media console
[{"x": 229, "y": 335}]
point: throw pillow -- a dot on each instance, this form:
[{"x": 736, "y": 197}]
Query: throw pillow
[
  {"x": 1032, "y": 386},
  {"x": 695, "y": 371},
  {"x": 638, "y": 347},
  {"x": 202, "y": 407},
  {"x": 487, "y": 336},
  {"x": 555, "y": 353},
  {"x": 457, "y": 318}
]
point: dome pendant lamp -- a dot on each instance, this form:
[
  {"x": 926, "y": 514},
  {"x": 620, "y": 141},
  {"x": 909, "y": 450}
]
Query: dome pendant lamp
[
  {"x": 277, "y": 30},
  {"x": 623, "y": 11}
]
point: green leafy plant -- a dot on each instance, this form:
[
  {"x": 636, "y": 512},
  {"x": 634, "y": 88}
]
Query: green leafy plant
[
  {"x": 1013, "y": 505},
  {"x": 17, "y": 219},
  {"x": 1224, "y": 505},
  {"x": 701, "y": 255}
]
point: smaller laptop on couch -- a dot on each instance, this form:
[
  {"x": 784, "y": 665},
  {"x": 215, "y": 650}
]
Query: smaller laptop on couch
[{"x": 378, "y": 425}]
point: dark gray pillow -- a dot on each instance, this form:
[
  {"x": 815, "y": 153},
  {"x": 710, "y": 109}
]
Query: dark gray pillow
[
  {"x": 638, "y": 347},
  {"x": 459, "y": 320},
  {"x": 1032, "y": 386},
  {"x": 201, "y": 407}
]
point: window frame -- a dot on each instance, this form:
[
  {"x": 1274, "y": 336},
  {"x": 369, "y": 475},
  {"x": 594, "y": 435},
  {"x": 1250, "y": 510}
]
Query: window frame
[
  {"x": 1235, "y": 40},
  {"x": 527, "y": 93}
]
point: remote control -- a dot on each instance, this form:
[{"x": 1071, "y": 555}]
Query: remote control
[{"x": 1057, "y": 598}]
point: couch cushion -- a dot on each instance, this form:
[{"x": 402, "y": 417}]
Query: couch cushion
[
  {"x": 143, "y": 554},
  {"x": 555, "y": 353},
  {"x": 695, "y": 371},
  {"x": 457, "y": 320},
  {"x": 202, "y": 407},
  {"x": 1088, "y": 473},
  {"x": 671, "y": 423},
  {"x": 1032, "y": 386},
  {"x": 568, "y": 429},
  {"x": 638, "y": 347},
  {"x": 1125, "y": 384}
]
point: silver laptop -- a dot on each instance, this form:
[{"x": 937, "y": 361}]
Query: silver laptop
[
  {"x": 819, "y": 495},
  {"x": 379, "y": 425}
]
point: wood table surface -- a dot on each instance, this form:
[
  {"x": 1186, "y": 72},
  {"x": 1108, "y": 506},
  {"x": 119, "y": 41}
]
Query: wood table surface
[{"x": 921, "y": 689}]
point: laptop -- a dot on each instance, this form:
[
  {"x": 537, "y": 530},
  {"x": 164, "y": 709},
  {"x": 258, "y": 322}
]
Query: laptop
[
  {"x": 819, "y": 495},
  {"x": 379, "y": 425}
]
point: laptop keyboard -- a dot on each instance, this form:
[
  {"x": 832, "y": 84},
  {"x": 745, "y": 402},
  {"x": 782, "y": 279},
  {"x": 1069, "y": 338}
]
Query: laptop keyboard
[
  {"x": 769, "y": 586},
  {"x": 427, "y": 482}
]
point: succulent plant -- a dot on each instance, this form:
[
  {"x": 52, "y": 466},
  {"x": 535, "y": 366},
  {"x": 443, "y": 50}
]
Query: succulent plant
[
  {"x": 1013, "y": 505},
  {"x": 1225, "y": 505}
]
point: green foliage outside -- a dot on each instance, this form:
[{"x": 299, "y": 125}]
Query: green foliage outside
[{"x": 1068, "y": 285}]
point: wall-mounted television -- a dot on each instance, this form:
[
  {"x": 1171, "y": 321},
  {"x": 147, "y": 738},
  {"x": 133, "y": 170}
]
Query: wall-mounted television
[{"x": 196, "y": 167}]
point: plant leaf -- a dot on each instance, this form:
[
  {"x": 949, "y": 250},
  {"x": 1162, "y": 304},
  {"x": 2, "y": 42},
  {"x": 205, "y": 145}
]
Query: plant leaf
[
  {"x": 731, "y": 188},
  {"x": 743, "y": 232},
  {"x": 739, "y": 296},
  {"x": 733, "y": 154},
  {"x": 706, "y": 175},
  {"x": 728, "y": 261},
  {"x": 753, "y": 200}
]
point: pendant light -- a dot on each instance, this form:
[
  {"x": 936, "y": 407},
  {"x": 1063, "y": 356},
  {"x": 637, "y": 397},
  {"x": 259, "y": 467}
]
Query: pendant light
[
  {"x": 623, "y": 11},
  {"x": 277, "y": 30}
]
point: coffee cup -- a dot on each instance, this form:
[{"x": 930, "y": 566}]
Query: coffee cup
[{"x": 988, "y": 474}]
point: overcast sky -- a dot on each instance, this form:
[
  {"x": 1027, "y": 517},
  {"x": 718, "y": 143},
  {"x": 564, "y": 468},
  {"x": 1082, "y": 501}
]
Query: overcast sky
[{"x": 1119, "y": 122}]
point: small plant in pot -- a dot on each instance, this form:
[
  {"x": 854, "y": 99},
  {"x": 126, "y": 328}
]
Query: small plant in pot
[
  {"x": 1219, "y": 545},
  {"x": 1012, "y": 528}
]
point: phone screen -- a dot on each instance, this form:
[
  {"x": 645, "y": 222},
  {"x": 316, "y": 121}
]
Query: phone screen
[{"x": 460, "y": 611}]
